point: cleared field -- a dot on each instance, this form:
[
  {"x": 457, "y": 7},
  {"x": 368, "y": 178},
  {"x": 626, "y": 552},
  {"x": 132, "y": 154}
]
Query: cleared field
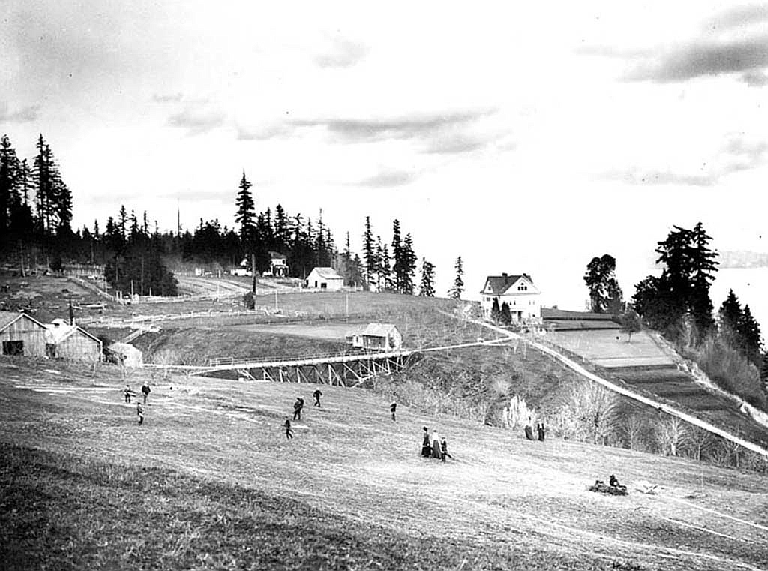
[
  {"x": 335, "y": 331},
  {"x": 210, "y": 482},
  {"x": 610, "y": 349}
]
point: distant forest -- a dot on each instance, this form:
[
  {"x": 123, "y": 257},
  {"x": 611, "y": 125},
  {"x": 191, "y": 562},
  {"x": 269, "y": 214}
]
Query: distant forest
[{"x": 36, "y": 230}]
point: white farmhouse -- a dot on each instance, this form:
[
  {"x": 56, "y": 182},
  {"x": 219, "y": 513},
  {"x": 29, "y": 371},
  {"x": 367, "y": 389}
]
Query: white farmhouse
[
  {"x": 517, "y": 291},
  {"x": 325, "y": 279}
]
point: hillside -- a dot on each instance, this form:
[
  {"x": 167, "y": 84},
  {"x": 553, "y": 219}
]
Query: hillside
[{"x": 209, "y": 481}]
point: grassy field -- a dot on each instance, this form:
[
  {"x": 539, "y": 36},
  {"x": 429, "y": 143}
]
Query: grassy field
[
  {"x": 609, "y": 348},
  {"x": 210, "y": 482}
]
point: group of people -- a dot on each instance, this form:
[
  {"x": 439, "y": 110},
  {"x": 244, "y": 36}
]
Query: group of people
[
  {"x": 298, "y": 406},
  {"x": 434, "y": 446},
  {"x": 539, "y": 431},
  {"x": 128, "y": 393}
]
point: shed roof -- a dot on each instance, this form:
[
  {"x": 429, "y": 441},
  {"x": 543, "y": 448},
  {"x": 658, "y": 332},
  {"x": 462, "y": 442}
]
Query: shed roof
[
  {"x": 379, "y": 329},
  {"x": 327, "y": 273},
  {"x": 8, "y": 317},
  {"x": 60, "y": 330}
]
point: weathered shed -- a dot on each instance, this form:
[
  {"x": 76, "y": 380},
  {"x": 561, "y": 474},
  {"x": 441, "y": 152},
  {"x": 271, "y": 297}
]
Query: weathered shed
[
  {"x": 126, "y": 354},
  {"x": 377, "y": 337},
  {"x": 70, "y": 342},
  {"x": 21, "y": 335}
]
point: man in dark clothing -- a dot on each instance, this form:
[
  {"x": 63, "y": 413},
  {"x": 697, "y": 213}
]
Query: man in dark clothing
[
  {"x": 317, "y": 394},
  {"x": 540, "y": 430},
  {"x": 146, "y": 390},
  {"x": 288, "y": 431},
  {"x": 297, "y": 406},
  {"x": 127, "y": 393},
  {"x": 528, "y": 432},
  {"x": 392, "y": 409},
  {"x": 426, "y": 444},
  {"x": 140, "y": 412}
]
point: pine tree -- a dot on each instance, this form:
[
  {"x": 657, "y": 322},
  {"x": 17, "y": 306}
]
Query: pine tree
[
  {"x": 369, "y": 253},
  {"x": 505, "y": 315},
  {"x": 385, "y": 269},
  {"x": 749, "y": 333},
  {"x": 495, "y": 311},
  {"x": 730, "y": 313},
  {"x": 703, "y": 267},
  {"x": 427, "y": 287},
  {"x": 9, "y": 166},
  {"x": 282, "y": 233},
  {"x": 398, "y": 263},
  {"x": 458, "y": 283},
  {"x": 409, "y": 265},
  {"x": 246, "y": 212}
]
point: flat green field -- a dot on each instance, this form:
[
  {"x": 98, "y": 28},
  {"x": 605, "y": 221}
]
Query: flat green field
[
  {"x": 210, "y": 482},
  {"x": 610, "y": 348}
]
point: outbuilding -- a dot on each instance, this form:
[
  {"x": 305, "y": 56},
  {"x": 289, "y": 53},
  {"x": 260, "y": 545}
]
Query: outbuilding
[
  {"x": 325, "y": 279},
  {"x": 126, "y": 354},
  {"x": 21, "y": 335},
  {"x": 72, "y": 343},
  {"x": 377, "y": 337}
]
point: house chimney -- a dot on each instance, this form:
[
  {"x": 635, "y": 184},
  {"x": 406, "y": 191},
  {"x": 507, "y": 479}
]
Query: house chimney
[{"x": 505, "y": 276}]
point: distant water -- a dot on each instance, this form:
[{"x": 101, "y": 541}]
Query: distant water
[{"x": 751, "y": 287}]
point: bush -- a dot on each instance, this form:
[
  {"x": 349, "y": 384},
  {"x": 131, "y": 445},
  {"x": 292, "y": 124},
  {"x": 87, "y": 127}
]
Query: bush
[{"x": 731, "y": 370}]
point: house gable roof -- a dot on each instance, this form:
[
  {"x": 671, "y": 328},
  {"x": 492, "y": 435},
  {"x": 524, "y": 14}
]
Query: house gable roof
[
  {"x": 59, "y": 332},
  {"x": 503, "y": 284},
  {"x": 379, "y": 330},
  {"x": 8, "y": 317},
  {"x": 327, "y": 273}
]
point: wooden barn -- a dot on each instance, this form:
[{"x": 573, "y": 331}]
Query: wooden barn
[
  {"x": 21, "y": 335},
  {"x": 377, "y": 337},
  {"x": 72, "y": 343},
  {"x": 325, "y": 279}
]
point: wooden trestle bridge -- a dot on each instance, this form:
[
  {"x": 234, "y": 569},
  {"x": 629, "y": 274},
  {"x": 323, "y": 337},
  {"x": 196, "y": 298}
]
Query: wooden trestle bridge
[{"x": 341, "y": 370}]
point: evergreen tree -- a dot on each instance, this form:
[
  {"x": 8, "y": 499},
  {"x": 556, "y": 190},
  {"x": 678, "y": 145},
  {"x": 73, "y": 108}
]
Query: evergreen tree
[
  {"x": 246, "y": 213},
  {"x": 495, "y": 311},
  {"x": 282, "y": 232},
  {"x": 122, "y": 224},
  {"x": 369, "y": 253},
  {"x": 730, "y": 313},
  {"x": 703, "y": 267},
  {"x": 505, "y": 315},
  {"x": 398, "y": 263},
  {"x": 427, "y": 279},
  {"x": 749, "y": 333},
  {"x": 9, "y": 166},
  {"x": 385, "y": 269},
  {"x": 458, "y": 283},
  {"x": 409, "y": 265}
]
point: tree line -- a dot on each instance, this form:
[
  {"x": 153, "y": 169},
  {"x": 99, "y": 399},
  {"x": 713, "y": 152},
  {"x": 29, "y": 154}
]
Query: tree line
[{"x": 726, "y": 344}]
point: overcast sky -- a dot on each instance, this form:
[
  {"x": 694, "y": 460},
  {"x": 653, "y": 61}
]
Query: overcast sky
[{"x": 525, "y": 137}]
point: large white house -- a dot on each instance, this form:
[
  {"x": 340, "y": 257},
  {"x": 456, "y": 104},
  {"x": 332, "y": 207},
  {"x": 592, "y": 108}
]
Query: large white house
[
  {"x": 325, "y": 278},
  {"x": 517, "y": 291}
]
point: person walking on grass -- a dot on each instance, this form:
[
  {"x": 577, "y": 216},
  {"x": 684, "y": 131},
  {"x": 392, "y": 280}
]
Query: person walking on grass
[
  {"x": 127, "y": 393},
  {"x": 393, "y": 409},
  {"x": 436, "y": 453},
  {"x": 317, "y": 394},
  {"x": 426, "y": 444},
  {"x": 288, "y": 431},
  {"x": 145, "y": 390},
  {"x": 140, "y": 412},
  {"x": 297, "y": 406}
]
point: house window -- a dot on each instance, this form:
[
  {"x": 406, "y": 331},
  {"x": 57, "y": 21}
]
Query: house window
[{"x": 13, "y": 348}]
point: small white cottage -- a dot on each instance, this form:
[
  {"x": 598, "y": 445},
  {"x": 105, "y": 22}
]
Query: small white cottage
[
  {"x": 377, "y": 337},
  {"x": 325, "y": 279}
]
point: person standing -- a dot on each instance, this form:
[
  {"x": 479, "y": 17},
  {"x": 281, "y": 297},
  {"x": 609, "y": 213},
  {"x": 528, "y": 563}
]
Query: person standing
[
  {"x": 540, "y": 430},
  {"x": 288, "y": 431},
  {"x": 146, "y": 390},
  {"x": 528, "y": 432},
  {"x": 392, "y": 409},
  {"x": 140, "y": 412},
  {"x": 444, "y": 449},
  {"x": 127, "y": 393},
  {"x": 426, "y": 444},
  {"x": 317, "y": 394},
  {"x": 436, "y": 445},
  {"x": 297, "y": 406}
]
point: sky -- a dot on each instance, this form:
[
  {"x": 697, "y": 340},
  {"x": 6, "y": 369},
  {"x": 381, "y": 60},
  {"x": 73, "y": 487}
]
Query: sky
[{"x": 523, "y": 137}]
